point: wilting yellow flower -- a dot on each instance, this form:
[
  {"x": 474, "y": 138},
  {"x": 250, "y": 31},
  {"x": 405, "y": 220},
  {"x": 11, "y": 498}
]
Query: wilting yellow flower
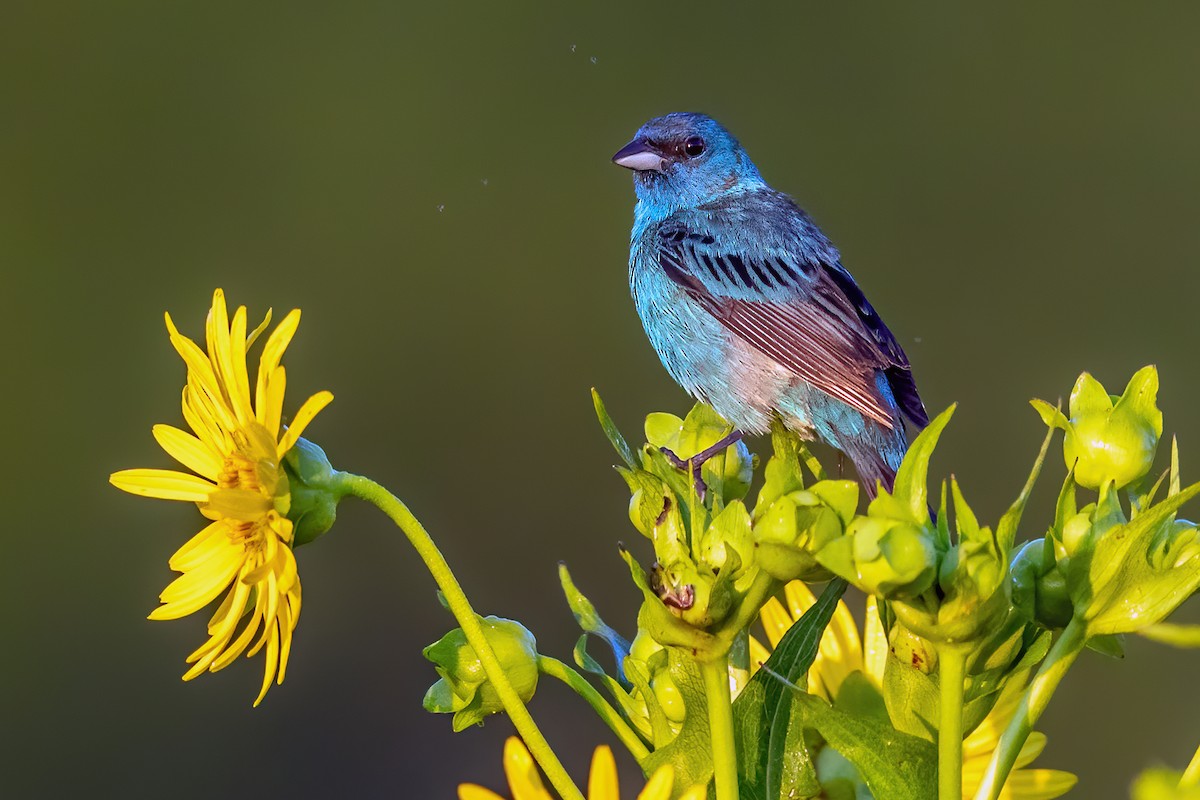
[
  {"x": 525, "y": 783},
  {"x": 842, "y": 652},
  {"x": 236, "y": 452}
]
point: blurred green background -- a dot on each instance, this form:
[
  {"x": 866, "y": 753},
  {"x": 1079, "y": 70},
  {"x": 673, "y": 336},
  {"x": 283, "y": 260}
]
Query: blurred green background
[{"x": 1015, "y": 186}]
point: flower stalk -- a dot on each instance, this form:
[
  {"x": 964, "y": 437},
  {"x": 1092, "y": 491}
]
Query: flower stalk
[
  {"x": 952, "y": 661},
  {"x": 720, "y": 723},
  {"x": 554, "y": 668},
  {"x": 1060, "y": 658},
  {"x": 460, "y": 607}
]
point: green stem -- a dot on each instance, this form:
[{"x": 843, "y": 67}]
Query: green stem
[
  {"x": 720, "y": 726},
  {"x": 1191, "y": 775},
  {"x": 460, "y": 607},
  {"x": 952, "y": 662},
  {"x": 1064, "y": 652},
  {"x": 616, "y": 723}
]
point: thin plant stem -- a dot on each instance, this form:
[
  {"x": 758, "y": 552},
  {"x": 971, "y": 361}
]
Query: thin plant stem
[
  {"x": 952, "y": 661},
  {"x": 720, "y": 726},
  {"x": 1062, "y": 655},
  {"x": 1191, "y": 775},
  {"x": 366, "y": 489},
  {"x": 616, "y": 723}
]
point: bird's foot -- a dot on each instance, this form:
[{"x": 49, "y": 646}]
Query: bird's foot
[{"x": 696, "y": 462}]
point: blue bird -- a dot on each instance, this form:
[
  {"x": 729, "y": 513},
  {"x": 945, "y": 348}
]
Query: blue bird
[{"x": 749, "y": 307}]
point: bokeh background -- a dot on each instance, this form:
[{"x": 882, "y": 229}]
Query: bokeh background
[{"x": 1015, "y": 186}]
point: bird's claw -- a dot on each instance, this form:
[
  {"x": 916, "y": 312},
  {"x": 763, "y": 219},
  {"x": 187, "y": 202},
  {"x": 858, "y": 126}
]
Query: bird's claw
[
  {"x": 697, "y": 461},
  {"x": 682, "y": 464}
]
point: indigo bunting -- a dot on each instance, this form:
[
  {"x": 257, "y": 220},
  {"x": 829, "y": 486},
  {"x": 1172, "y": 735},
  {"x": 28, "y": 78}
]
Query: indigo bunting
[{"x": 749, "y": 307}]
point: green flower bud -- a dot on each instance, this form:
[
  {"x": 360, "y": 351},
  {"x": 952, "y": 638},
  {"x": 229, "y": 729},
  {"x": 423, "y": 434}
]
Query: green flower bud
[
  {"x": 464, "y": 689},
  {"x": 315, "y": 491},
  {"x": 1039, "y": 589},
  {"x": 728, "y": 533},
  {"x": 796, "y": 526},
  {"x": 911, "y": 650},
  {"x": 1107, "y": 441},
  {"x": 727, "y": 474},
  {"x": 893, "y": 559},
  {"x": 644, "y": 650}
]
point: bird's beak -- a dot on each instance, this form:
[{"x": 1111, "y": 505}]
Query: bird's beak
[{"x": 639, "y": 156}]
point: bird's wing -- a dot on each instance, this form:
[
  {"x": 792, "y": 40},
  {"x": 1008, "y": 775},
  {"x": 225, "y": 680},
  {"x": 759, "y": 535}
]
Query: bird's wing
[{"x": 808, "y": 315}]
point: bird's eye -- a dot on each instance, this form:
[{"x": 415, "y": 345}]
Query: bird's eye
[{"x": 693, "y": 147}]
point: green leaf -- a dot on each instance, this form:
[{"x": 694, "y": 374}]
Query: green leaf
[
  {"x": 589, "y": 620},
  {"x": 894, "y": 765},
  {"x": 1186, "y": 636},
  {"x": 1051, "y": 415},
  {"x": 1006, "y": 530},
  {"x": 755, "y": 710},
  {"x": 912, "y": 477},
  {"x": 614, "y": 435},
  {"x": 690, "y": 752}
]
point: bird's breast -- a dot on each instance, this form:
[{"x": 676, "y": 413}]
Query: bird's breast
[{"x": 705, "y": 358}]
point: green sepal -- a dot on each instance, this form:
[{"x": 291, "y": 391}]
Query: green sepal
[
  {"x": 315, "y": 491},
  {"x": 658, "y": 727},
  {"x": 589, "y": 620},
  {"x": 911, "y": 479},
  {"x": 612, "y": 433},
  {"x": 1111, "y": 645}
]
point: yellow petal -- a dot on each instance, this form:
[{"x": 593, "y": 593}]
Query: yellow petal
[
  {"x": 262, "y": 326},
  {"x": 758, "y": 654},
  {"x": 200, "y": 547},
  {"x": 235, "y": 648},
  {"x": 523, "y": 779},
  {"x": 775, "y": 621},
  {"x": 269, "y": 400},
  {"x": 189, "y": 451},
  {"x": 286, "y": 625},
  {"x": 469, "y": 791},
  {"x": 238, "y": 380},
  {"x": 799, "y": 598},
  {"x": 659, "y": 785},
  {"x": 278, "y": 342},
  {"x": 875, "y": 646},
  {"x": 164, "y": 484},
  {"x": 602, "y": 780},
  {"x": 1037, "y": 784},
  {"x": 207, "y": 580},
  {"x": 246, "y": 505},
  {"x": 312, "y": 406},
  {"x": 695, "y": 793},
  {"x": 269, "y": 668}
]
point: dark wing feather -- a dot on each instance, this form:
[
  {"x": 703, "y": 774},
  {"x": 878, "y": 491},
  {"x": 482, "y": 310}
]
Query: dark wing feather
[{"x": 807, "y": 315}]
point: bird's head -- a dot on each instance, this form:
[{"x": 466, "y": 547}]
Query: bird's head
[{"x": 683, "y": 159}]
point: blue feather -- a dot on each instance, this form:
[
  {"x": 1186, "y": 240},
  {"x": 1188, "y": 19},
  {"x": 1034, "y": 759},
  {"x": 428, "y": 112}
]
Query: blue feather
[{"x": 748, "y": 306}]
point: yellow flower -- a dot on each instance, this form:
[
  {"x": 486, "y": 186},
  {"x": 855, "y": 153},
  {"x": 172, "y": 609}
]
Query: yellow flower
[
  {"x": 236, "y": 452},
  {"x": 842, "y": 652},
  {"x": 525, "y": 783}
]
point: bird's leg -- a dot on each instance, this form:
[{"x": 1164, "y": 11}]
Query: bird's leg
[{"x": 697, "y": 461}]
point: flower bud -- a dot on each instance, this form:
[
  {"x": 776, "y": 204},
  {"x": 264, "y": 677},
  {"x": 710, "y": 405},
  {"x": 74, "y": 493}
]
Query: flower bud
[
  {"x": 1107, "y": 441},
  {"x": 797, "y": 525},
  {"x": 891, "y": 558},
  {"x": 314, "y": 489},
  {"x": 669, "y": 698},
  {"x": 1039, "y": 589},
  {"x": 464, "y": 688}
]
